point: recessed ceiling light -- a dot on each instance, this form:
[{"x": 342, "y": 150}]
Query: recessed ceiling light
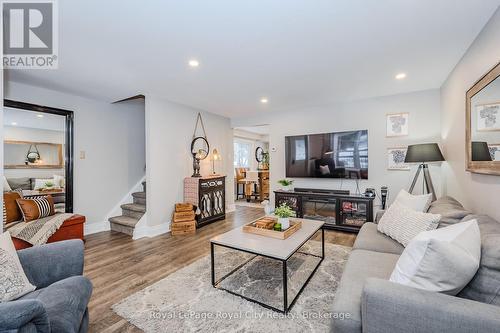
[
  {"x": 264, "y": 100},
  {"x": 194, "y": 63},
  {"x": 400, "y": 76},
  {"x": 39, "y": 115},
  {"x": 13, "y": 123}
]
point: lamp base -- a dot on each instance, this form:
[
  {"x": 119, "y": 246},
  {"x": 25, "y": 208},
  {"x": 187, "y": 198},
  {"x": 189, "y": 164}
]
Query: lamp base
[{"x": 429, "y": 187}]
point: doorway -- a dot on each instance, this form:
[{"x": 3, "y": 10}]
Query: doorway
[
  {"x": 251, "y": 165},
  {"x": 38, "y": 152}
]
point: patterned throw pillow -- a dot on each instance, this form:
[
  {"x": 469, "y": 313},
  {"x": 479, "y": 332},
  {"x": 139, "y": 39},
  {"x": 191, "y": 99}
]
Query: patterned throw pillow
[
  {"x": 402, "y": 223},
  {"x": 13, "y": 281},
  {"x": 34, "y": 209},
  {"x": 11, "y": 212}
]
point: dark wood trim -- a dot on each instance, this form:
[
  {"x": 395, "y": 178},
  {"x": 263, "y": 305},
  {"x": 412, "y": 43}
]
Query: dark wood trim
[
  {"x": 130, "y": 98},
  {"x": 69, "y": 138}
]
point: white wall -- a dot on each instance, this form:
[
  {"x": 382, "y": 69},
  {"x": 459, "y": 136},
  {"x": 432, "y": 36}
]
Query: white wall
[
  {"x": 479, "y": 193},
  {"x": 34, "y": 135},
  {"x": 370, "y": 114},
  {"x": 169, "y": 130},
  {"x": 112, "y": 136}
]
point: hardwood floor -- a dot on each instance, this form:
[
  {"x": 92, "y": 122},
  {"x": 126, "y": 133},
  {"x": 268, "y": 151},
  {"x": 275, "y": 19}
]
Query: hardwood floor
[{"x": 119, "y": 266}]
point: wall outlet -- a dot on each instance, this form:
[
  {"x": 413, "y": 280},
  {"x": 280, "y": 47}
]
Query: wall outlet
[{"x": 82, "y": 154}]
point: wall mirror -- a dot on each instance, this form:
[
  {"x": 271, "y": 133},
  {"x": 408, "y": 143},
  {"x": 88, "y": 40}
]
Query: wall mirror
[
  {"x": 483, "y": 124},
  {"x": 32, "y": 155}
]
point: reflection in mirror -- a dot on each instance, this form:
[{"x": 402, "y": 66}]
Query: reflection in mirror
[{"x": 485, "y": 123}]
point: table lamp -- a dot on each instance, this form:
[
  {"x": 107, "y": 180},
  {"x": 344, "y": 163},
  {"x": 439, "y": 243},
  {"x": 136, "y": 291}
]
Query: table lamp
[{"x": 423, "y": 153}]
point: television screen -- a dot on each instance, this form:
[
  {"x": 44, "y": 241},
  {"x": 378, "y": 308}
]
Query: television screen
[{"x": 329, "y": 155}]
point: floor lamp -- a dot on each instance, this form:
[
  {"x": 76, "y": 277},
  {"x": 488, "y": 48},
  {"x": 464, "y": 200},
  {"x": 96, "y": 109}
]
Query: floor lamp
[{"x": 423, "y": 153}]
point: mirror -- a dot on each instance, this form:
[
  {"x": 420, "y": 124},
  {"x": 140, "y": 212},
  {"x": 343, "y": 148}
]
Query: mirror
[
  {"x": 32, "y": 155},
  {"x": 483, "y": 124}
]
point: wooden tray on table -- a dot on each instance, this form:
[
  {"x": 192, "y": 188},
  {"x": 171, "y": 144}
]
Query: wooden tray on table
[{"x": 256, "y": 227}]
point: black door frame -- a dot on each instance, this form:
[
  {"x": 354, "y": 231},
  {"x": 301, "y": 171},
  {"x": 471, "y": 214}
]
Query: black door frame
[{"x": 69, "y": 133}]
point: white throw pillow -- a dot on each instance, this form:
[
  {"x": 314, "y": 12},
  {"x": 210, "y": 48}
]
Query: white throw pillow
[
  {"x": 442, "y": 260},
  {"x": 420, "y": 203},
  {"x": 13, "y": 281},
  {"x": 40, "y": 183},
  {"x": 402, "y": 223},
  {"x": 324, "y": 170},
  {"x": 59, "y": 181},
  {"x": 6, "y": 186}
]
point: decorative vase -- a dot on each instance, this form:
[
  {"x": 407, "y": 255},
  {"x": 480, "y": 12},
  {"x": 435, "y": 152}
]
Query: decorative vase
[{"x": 285, "y": 222}]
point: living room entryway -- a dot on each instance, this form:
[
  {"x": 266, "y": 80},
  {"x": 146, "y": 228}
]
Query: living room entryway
[{"x": 251, "y": 166}]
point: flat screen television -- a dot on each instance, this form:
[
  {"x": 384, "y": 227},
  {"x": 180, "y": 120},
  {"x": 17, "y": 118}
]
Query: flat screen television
[{"x": 328, "y": 155}]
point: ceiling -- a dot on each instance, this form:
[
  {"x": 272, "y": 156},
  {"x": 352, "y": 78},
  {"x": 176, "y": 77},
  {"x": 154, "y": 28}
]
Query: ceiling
[
  {"x": 295, "y": 53},
  {"x": 260, "y": 130}
]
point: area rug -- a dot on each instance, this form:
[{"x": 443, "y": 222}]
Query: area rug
[{"x": 185, "y": 301}]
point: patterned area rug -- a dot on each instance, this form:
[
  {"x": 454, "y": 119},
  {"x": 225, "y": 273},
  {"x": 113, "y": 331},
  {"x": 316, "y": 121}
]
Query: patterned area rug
[{"x": 185, "y": 301}]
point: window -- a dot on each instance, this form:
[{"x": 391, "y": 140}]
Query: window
[{"x": 242, "y": 154}]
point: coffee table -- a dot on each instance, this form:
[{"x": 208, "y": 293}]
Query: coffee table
[{"x": 277, "y": 249}]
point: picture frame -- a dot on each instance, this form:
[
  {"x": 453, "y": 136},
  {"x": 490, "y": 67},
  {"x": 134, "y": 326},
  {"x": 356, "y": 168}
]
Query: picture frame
[
  {"x": 488, "y": 117},
  {"x": 397, "y": 124},
  {"x": 396, "y": 157},
  {"x": 494, "y": 151}
]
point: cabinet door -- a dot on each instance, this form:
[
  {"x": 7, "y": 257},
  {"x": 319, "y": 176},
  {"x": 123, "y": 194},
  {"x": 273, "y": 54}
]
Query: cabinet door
[{"x": 353, "y": 212}]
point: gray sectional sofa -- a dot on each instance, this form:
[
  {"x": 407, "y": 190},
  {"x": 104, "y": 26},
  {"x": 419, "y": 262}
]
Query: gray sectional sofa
[
  {"x": 374, "y": 304},
  {"x": 59, "y": 303}
]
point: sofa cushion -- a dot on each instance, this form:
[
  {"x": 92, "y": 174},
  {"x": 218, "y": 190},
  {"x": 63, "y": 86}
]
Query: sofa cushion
[
  {"x": 23, "y": 183},
  {"x": 369, "y": 238},
  {"x": 65, "y": 302},
  {"x": 361, "y": 265},
  {"x": 451, "y": 211},
  {"x": 485, "y": 286}
]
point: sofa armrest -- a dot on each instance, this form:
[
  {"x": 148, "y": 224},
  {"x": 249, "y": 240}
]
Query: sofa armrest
[
  {"x": 378, "y": 216},
  {"x": 52, "y": 262},
  {"x": 16, "y": 314},
  {"x": 391, "y": 307}
]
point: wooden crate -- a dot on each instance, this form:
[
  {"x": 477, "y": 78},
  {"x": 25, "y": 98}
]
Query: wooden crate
[
  {"x": 183, "y": 228},
  {"x": 183, "y": 216},
  {"x": 294, "y": 226},
  {"x": 184, "y": 207}
]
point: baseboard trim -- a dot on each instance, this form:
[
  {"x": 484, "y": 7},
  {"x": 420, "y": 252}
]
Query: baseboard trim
[
  {"x": 151, "y": 231},
  {"x": 93, "y": 228}
]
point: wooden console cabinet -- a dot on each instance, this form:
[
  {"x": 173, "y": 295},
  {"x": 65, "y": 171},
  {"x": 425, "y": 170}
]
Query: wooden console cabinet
[
  {"x": 209, "y": 195},
  {"x": 338, "y": 209}
]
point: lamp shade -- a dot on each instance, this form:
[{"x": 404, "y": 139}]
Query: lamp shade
[
  {"x": 480, "y": 151},
  {"x": 425, "y": 152}
]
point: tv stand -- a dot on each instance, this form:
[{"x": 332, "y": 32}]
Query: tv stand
[{"x": 339, "y": 209}]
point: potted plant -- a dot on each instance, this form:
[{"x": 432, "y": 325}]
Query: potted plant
[
  {"x": 49, "y": 185},
  {"x": 283, "y": 212},
  {"x": 286, "y": 184}
]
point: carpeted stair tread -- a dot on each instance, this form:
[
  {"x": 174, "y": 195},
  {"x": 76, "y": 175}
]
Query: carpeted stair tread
[
  {"x": 124, "y": 220},
  {"x": 134, "y": 207},
  {"x": 141, "y": 195}
]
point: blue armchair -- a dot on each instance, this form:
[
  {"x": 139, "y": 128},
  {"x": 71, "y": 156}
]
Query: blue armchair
[{"x": 59, "y": 303}]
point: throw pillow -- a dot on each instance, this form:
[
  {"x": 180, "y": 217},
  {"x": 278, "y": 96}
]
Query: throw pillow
[
  {"x": 34, "y": 209},
  {"x": 59, "y": 181},
  {"x": 40, "y": 183},
  {"x": 442, "y": 260},
  {"x": 324, "y": 170},
  {"x": 420, "y": 203},
  {"x": 450, "y": 209},
  {"x": 13, "y": 280},
  {"x": 11, "y": 212},
  {"x": 402, "y": 223},
  {"x": 6, "y": 186}
]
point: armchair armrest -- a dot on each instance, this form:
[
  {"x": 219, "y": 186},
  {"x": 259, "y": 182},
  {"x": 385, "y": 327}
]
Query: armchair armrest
[
  {"x": 391, "y": 307},
  {"x": 52, "y": 262},
  {"x": 16, "y": 314}
]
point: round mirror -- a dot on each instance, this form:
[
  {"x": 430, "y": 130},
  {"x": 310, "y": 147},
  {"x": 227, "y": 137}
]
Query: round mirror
[
  {"x": 32, "y": 157},
  {"x": 200, "y": 148},
  {"x": 259, "y": 154}
]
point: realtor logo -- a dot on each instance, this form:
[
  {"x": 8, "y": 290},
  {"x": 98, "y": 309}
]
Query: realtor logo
[{"x": 29, "y": 34}]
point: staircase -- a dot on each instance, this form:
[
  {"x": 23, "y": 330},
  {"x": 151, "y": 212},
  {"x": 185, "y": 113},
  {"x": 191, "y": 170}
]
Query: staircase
[{"x": 131, "y": 213}]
